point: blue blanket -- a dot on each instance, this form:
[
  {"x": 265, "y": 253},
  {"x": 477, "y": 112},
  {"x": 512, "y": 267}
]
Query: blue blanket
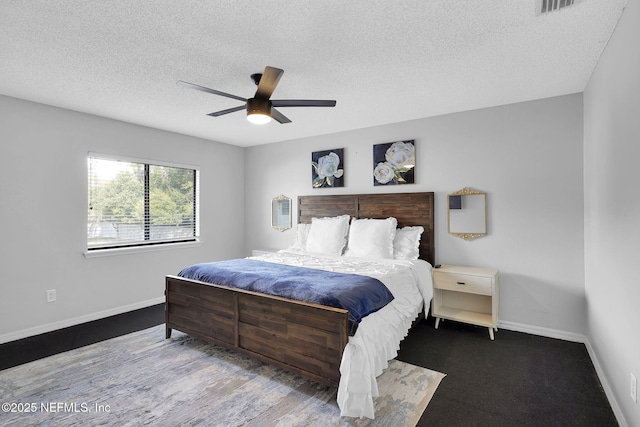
[{"x": 360, "y": 295}]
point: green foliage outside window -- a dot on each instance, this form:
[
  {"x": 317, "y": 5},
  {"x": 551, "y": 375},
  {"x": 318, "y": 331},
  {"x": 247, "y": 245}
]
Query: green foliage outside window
[{"x": 117, "y": 213}]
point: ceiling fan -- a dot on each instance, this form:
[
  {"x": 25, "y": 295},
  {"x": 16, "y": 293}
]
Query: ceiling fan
[{"x": 261, "y": 109}]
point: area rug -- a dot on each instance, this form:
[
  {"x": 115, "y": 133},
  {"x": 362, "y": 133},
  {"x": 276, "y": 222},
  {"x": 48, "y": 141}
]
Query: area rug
[{"x": 143, "y": 379}]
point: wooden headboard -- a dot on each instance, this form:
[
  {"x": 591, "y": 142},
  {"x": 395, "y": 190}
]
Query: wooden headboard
[{"x": 407, "y": 208}]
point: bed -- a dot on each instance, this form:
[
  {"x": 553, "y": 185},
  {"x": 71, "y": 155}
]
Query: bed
[{"x": 313, "y": 340}]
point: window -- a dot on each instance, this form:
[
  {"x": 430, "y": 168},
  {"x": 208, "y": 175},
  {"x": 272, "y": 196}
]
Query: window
[{"x": 135, "y": 203}]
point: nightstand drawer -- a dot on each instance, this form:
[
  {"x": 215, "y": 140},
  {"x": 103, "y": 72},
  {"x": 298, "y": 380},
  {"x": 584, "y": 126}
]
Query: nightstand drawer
[{"x": 463, "y": 283}]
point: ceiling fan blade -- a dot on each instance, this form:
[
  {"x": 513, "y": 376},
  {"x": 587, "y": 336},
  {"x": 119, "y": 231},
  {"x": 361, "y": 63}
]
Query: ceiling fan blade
[
  {"x": 208, "y": 90},
  {"x": 279, "y": 117},
  {"x": 268, "y": 82},
  {"x": 303, "y": 103},
  {"x": 227, "y": 111}
]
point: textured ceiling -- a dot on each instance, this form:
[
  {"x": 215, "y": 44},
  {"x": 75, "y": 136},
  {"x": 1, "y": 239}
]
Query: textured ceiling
[{"x": 383, "y": 61}]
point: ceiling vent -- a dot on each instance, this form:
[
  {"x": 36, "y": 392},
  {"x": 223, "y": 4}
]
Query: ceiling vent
[{"x": 546, "y": 6}]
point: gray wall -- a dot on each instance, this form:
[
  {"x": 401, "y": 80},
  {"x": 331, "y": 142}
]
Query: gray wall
[
  {"x": 527, "y": 157},
  {"x": 43, "y": 212},
  {"x": 612, "y": 211}
]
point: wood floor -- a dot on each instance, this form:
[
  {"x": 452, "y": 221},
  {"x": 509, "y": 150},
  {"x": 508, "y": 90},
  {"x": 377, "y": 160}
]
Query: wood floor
[{"x": 517, "y": 380}]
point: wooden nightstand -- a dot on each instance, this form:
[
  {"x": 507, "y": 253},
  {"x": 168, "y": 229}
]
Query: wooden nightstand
[{"x": 466, "y": 294}]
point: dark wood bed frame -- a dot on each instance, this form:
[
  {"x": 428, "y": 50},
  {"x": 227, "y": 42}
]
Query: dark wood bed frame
[{"x": 306, "y": 339}]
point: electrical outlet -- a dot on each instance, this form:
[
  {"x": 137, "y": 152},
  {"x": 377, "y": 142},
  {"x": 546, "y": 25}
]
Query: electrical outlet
[
  {"x": 51, "y": 295},
  {"x": 633, "y": 391}
]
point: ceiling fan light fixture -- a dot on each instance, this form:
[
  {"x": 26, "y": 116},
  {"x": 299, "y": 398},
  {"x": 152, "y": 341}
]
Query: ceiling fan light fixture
[
  {"x": 259, "y": 111},
  {"x": 260, "y": 108},
  {"x": 258, "y": 118}
]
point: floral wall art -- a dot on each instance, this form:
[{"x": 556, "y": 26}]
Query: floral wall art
[
  {"x": 394, "y": 163},
  {"x": 327, "y": 168}
]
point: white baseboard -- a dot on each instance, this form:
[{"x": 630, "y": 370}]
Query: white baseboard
[
  {"x": 41, "y": 329},
  {"x": 570, "y": 336},
  {"x": 605, "y": 385},
  {"x": 544, "y": 332}
]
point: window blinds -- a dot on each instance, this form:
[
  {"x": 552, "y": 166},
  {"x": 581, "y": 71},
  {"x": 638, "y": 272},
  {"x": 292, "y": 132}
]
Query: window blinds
[{"x": 139, "y": 203}]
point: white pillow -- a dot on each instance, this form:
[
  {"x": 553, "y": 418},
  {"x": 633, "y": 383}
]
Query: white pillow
[
  {"x": 300, "y": 243},
  {"x": 406, "y": 244},
  {"x": 371, "y": 238},
  {"x": 328, "y": 235}
]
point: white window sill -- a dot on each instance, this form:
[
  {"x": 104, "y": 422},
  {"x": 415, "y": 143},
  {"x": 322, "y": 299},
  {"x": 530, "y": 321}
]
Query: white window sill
[{"x": 98, "y": 253}]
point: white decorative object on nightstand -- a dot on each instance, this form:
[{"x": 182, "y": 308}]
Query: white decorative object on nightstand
[
  {"x": 258, "y": 252},
  {"x": 466, "y": 294}
]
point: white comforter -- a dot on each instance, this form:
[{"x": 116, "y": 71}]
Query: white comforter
[{"x": 378, "y": 337}]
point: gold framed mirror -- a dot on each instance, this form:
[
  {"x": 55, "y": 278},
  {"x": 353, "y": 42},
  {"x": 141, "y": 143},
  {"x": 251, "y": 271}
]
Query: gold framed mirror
[
  {"x": 281, "y": 213},
  {"x": 467, "y": 216}
]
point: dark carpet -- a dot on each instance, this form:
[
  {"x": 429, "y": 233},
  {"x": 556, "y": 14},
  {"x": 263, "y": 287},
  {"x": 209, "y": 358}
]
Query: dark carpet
[{"x": 517, "y": 380}]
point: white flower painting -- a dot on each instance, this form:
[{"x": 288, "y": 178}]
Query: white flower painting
[
  {"x": 327, "y": 168},
  {"x": 394, "y": 163}
]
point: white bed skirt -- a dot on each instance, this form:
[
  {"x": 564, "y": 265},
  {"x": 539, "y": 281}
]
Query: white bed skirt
[{"x": 378, "y": 337}]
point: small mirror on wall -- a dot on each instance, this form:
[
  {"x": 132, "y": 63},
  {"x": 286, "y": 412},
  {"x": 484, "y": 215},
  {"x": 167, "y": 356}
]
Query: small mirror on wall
[
  {"x": 281, "y": 213},
  {"x": 467, "y": 213}
]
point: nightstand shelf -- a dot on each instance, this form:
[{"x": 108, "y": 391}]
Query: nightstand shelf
[
  {"x": 466, "y": 294},
  {"x": 472, "y": 317}
]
